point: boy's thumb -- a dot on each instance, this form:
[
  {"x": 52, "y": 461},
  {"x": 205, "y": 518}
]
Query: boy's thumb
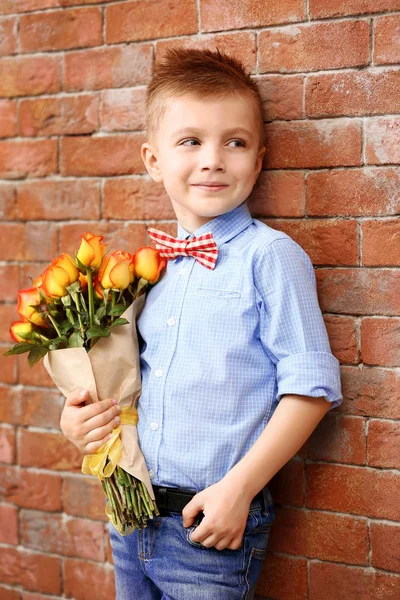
[
  {"x": 191, "y": 510},
  {"x": 78, "y": 396}
]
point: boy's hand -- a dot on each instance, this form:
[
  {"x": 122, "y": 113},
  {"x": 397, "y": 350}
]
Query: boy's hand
[
  {"x": 225, "y": 516},
  {"x": 88, "y": 425}
]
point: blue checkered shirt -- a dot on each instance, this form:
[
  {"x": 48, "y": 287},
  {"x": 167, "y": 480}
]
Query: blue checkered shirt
[{"x": 219, "y": 349}]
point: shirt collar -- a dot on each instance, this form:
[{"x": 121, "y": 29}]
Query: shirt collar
[{"x": 224, "y": 227}]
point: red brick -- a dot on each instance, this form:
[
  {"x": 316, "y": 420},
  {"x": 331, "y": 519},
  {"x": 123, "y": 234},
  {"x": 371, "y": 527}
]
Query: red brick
[
  {"x": 31, "y": 489},
  {"x": 138, "y": 198},
  {"x": 19, "y": 6},
  {"x": 368, "y": 492},
  {"x": 140, "y": 20},
  {"x": 372, "y": 191},
  {"x": 337, "y": 8},
  {"x": 284, "y": 578},
  {"x": 61, "y": 29},
  {"x": 382, "y": 140},
  {"x": 309, "y": 47},
  {"x": 353, "y": 94},
  {"x": 59, "y": 116},
  {"x": 69, "y": 537},
  {"x": 338, "y": 438},
  {"x": 234, "y": 14},
  {"x": 84, "y": 497},
  {"x": 30, "y": 241},
  {"x": 7, "y": 444},
  {"x": 381, "y": 243},
  {"x": 35, "y": 158},
  {"x": 8, "y": 118},
  {"x": 123, "y": 110},
  {"x": 105, "y": 156},
  {"x": 359, "y": 291},
  {"x": 330, "y": 582},
  {"x": 320, "y": 535},
  {"x": 282, "y": 96},
  {"x": 83, "y": 580},
  {"x": 287, "y": 486},
  {"x": 36, "y": 375},
  {"x": 241, "y": 45},
  {"x": 117, "y": 66},
  {"x": 371, "y": 392},
  {"x": 313, "y": 144},
  {"x": 342, "y": 332},
  {"x": 31, "y": 270},
  {"x": 22, "y": 76},
  {"x": 384, "y": 444},
  {"x": 123, "y": 236},
  {"x": 8, "y": 37},
  {"x": 8, "y": 526},
  {"x": 38, "y": 408},
  {"x": 327, "y": 242},
  {"x": 385, "y": 542},
  {"x": 8, "y": 366},
  {"x": 8, "y": 314},
  {"x": 47, "y": 200},
  {"x": 9, "y": 593},
  {"x": 48, "y": 451},
  {"x": 380, "y": 341},
  {"x": 9, "y": 281},
  {"x": 387, "y": 40},
  {"x": 31, "y": 570},
  {"x": 8, "y": 202},
  {"x": 278, "y": 194}
]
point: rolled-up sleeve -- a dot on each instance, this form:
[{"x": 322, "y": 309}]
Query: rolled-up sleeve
[{"x": 292, "y": 329}]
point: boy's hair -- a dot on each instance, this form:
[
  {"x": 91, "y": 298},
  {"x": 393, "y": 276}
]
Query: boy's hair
[{"x": 201, "y": 74}]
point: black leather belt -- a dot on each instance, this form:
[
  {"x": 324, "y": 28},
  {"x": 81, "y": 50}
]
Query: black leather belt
[{"x": 175, "y": 499}]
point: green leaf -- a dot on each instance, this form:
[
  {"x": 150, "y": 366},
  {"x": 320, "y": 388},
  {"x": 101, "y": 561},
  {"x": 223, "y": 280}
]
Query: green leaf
[
  {"x": 117, "y": 310},
  {"x": 75, "y": 340},
  {"x": 97, "y": 331},
  {"x": 120, "y": 322},
  {"x": 37, "y": 352},
  {"x": 19, "y": 348}
]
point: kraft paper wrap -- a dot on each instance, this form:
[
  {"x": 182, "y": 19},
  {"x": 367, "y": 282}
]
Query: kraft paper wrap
[{"x": 111, "y": 369}]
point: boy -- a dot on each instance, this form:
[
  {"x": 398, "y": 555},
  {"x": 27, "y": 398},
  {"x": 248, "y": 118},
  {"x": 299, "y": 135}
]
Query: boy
[{"x": 236, "y": 365}]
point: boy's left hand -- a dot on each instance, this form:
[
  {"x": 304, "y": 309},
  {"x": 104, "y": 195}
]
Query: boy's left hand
[{"x": 225, "y": 515}]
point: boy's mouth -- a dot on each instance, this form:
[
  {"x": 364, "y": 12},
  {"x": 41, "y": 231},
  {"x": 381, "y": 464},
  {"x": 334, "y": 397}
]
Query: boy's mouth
[{"x": 211, "y": 187}]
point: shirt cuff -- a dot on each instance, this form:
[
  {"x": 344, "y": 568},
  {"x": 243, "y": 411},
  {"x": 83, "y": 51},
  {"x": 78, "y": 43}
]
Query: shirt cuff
[{"x": 310, "y": 374}]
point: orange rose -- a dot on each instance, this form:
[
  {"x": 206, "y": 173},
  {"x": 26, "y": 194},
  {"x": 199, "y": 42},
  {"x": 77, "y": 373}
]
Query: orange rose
[
  {"x": 20, "y": 327},
  {"x": 116, "y": 270},
  {"x": 91, "y": 250},
  {"x": 83, "y": 281},
  {"x": 27, "y": 298},
  {"x": 148, "y": 263},
  {"x": 61, "y": 273}
]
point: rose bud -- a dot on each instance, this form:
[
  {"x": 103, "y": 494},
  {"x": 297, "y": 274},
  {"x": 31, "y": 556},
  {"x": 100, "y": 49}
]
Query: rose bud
[
  {"x": 27, "y": 298},
  {"x": 65, "y": 262},
  {"x": 148, "y": 263},
  {"x": 115, "y": 271},
  {"x": 55, "y": 282},
  {"x": 91, "y": 250},
  {"x": 20, "y": 327}
]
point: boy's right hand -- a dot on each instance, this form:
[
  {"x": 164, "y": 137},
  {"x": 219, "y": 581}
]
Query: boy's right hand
[{"x": 88, "y": 424}]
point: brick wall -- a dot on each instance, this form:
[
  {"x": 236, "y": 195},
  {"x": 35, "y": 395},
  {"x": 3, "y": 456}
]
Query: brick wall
[{"x": 72, "y": 81}]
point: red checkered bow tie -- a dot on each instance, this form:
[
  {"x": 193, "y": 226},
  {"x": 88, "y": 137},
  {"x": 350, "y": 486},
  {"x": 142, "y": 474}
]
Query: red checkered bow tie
[{"x": 202, "y": 248}]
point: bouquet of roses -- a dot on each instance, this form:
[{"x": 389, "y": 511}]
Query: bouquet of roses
[{"x": 80, "y": 315}]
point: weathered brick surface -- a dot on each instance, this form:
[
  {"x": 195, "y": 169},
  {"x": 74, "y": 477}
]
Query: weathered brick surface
[{"x": 73, "y": 76}]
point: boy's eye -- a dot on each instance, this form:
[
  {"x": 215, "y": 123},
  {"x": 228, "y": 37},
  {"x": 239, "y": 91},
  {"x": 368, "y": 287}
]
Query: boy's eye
[
  {"x": 240, "y": 143},
  {"x": 185, "y": 142}
]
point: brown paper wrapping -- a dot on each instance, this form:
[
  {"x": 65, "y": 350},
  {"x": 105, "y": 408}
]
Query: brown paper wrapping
[{"x": 111, "y": 369}]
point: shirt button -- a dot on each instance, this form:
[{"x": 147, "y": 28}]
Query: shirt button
[
  {"x": 171, "y": 321},
  {"x": 151, "y": 474},
  {"x": 158, "y": 373},
  {"x": 154, "y": 426}
]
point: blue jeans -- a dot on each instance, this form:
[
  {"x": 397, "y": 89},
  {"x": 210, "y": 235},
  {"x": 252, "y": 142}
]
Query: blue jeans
[{"x": 163, "y": 563}]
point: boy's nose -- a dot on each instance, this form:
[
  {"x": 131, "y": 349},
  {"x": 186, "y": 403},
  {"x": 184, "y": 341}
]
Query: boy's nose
[{"x": 212, "y": 159}]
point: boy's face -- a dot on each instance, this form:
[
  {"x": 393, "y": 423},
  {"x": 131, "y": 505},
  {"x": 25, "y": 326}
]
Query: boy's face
[{"x": 200, "y": 143}]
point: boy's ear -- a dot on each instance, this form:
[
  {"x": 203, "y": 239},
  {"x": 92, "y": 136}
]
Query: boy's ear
[
  {"x": 259, "y": 161},
  {"x": 149, "y": 157}
]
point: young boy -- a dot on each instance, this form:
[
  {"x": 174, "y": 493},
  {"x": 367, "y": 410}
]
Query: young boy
[{"x": 236, "y": 365}]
